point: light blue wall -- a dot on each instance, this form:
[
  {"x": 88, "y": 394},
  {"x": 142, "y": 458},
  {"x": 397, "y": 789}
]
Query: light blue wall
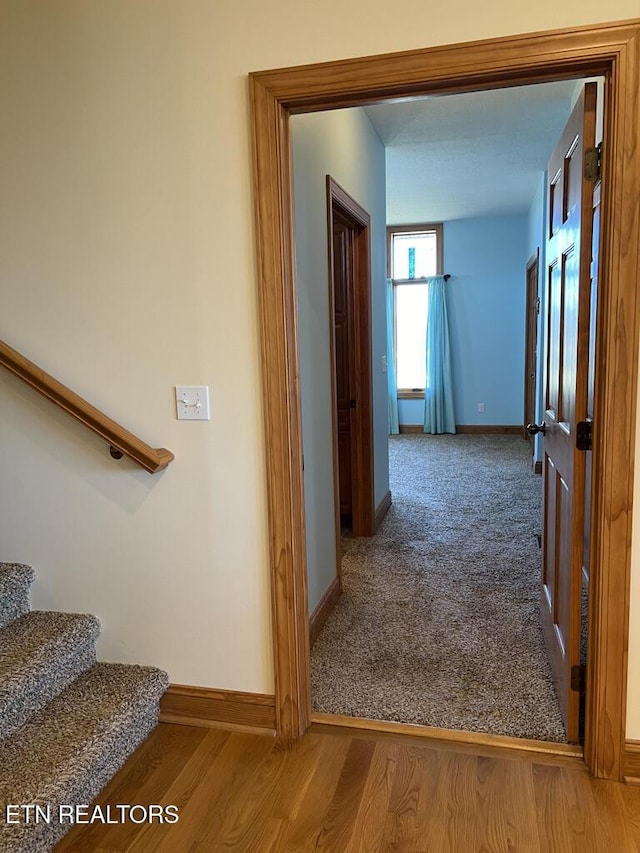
[
  {"x": 411, "y": 411},
  {"x": 486, "y": 258},
  {"x": 343, "y": 144}
]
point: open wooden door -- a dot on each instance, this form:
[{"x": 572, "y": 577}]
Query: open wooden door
[{"x": 570, "y": 199}]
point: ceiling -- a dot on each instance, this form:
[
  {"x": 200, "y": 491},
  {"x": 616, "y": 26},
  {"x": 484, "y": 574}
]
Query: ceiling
[{"x": 464, "y": 156}]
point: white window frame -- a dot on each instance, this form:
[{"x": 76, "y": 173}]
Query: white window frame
[{"x": 392, "y": 230}]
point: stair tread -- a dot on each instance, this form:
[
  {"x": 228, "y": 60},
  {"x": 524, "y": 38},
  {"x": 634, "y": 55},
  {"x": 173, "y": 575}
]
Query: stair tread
[
  {"x": 59, "y": 740},
  {"x": 20, "y": 571},
  {"x": 30, "y": 643}
]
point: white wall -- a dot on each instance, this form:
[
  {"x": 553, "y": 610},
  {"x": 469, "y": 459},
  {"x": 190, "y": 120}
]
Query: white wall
[
  {"x": 343, "y": 144},
  {"x": 128, "y": 266}
]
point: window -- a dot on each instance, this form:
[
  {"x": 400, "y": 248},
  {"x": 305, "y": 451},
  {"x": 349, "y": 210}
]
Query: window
[{"x": 414, "y": 252}]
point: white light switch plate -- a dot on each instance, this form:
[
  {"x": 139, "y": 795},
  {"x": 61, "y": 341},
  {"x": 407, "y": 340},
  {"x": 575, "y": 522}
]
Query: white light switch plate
[{"x": 192, "y": 403}]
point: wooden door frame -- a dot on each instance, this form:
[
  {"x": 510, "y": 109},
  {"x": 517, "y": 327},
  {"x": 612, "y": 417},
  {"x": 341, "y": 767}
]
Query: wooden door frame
[
  {"x": 363, "y": 509},
  {"x": 609, "y": 50},
  {"x": 532, "y": 263}
]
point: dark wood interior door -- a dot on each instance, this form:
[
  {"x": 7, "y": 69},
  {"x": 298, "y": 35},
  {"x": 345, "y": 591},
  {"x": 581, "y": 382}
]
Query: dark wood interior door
[
  {"x": 349, "y": 280},
  {"x": 343, "y": 325},
  {"x": 566, "y": 372}
]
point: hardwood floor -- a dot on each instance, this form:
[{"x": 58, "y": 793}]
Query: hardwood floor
[{"x": 342, "y": 792}]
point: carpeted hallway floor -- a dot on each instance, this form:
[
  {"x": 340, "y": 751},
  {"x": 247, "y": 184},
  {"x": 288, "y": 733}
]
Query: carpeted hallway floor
[{"x": 439, "y": 620}]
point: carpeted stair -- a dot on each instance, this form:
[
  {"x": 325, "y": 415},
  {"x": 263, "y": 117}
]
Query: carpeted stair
[
  {"x": 67, "y": 723},
  {"x": 15, "y": 582}
]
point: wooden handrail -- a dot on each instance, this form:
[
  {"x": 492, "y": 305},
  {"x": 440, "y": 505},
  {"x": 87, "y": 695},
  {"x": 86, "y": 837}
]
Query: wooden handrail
[{"x": 122, "y": 441}]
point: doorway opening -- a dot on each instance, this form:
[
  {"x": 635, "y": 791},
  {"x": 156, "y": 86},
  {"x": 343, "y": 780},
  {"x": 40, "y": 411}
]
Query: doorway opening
[{"x": 439, "y": 624}]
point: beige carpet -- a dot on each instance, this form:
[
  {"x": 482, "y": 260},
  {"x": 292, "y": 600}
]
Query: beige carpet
[{"x": 439, "y": 621}]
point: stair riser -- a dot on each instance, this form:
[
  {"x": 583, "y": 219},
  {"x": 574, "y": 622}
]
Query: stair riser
[
  {"x": 16, "y": 606},
  {"x": 14, "y": 598}
]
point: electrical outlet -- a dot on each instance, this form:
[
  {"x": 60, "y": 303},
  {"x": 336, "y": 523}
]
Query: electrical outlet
[
  {"x": 481, "y": 407},
  {"x": 192, "y": 403}
]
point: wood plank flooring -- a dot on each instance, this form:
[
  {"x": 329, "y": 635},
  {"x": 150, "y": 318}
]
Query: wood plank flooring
[{"x": 349, "y": 792}]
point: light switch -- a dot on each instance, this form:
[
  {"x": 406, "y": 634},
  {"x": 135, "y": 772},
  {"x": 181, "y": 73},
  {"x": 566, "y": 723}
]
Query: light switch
[{"x": 192, "y": 403}]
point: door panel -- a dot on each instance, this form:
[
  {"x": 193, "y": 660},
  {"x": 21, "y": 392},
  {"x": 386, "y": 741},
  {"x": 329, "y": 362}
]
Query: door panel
[
  {"x": 568, "y": 331},
  {"x": 343, "y": 320},
  {"x": 550, "y": 529},
  {"x": 567, "y": 357},
  {"x": 554, "y": 301}
]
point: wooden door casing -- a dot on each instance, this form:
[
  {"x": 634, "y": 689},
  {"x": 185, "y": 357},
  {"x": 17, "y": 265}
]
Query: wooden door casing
[
  {"x": 607, "y": 49},
  {"x": 566, "y": 369}
]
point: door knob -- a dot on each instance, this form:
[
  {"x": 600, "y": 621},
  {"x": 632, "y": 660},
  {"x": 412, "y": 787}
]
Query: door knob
[{"x": 534, "y": 429}]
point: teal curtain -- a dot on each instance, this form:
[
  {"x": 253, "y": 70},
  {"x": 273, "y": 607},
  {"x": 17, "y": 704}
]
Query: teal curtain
[
  {"x": 391, "y": 365},
  {"x": 438, "y": 394}
]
